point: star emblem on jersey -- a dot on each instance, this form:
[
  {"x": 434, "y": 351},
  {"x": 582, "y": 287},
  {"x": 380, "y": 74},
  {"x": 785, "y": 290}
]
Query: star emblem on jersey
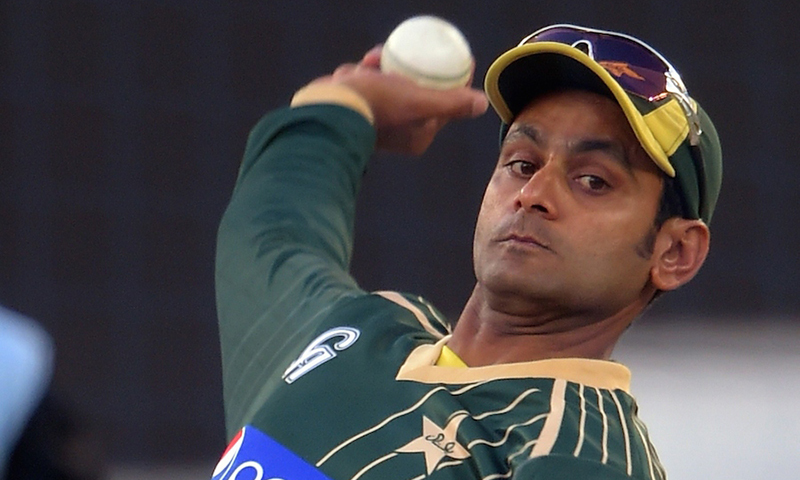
[{"x": 437, "y": 443}]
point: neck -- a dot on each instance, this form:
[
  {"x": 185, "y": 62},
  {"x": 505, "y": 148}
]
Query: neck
[{"x": 486, "y": 336}]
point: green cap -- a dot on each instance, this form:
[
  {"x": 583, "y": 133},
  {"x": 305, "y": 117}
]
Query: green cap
[{"x": 692, "y": 157}]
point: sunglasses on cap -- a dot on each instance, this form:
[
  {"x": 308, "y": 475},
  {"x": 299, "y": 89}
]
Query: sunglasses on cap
[{"x": 637, "y": 67}]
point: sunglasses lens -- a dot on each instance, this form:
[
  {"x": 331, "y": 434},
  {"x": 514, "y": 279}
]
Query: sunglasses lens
[{"x": 637, "y": 69}]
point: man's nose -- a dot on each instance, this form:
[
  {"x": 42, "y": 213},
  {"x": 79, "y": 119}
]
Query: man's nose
[{"x": 540, "y": 192}]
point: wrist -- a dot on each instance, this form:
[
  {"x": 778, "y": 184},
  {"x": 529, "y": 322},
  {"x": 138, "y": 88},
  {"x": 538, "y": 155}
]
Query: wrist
[{"x": 333, "y": 93}]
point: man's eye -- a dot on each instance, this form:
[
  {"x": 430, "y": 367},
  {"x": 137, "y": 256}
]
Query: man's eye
[
  {"x": 593, "y": 183},
  {"x": 522, "y": 168}
]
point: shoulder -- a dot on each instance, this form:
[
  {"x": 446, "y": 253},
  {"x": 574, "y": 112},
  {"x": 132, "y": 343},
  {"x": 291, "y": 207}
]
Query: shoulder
[
  {"x": 387, "y": 309},
  {"x": 429, "y": 318}
]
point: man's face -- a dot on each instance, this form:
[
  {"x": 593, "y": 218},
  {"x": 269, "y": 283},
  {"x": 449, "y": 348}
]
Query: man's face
[{"x": 565, "y": 219}]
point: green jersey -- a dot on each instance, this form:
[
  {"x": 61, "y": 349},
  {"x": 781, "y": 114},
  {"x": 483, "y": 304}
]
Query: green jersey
[{"x": 347, "y": 379}]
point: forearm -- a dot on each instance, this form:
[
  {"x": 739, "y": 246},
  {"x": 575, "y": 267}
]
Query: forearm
[
  {"x": 297, "y": 187},
  {"x": 285, "y": 241}
]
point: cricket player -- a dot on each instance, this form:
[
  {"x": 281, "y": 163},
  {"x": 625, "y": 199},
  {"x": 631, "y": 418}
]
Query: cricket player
[{"x": 604, "y": 186}]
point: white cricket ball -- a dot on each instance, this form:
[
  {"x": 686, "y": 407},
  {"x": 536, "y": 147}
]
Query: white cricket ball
[{"x": 429, "y": 50}]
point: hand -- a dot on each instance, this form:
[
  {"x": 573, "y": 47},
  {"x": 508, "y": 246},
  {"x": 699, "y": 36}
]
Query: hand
[{"x": 407, "y": 116}]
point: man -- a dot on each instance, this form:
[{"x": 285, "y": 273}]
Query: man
[{"x": 607, "y": 177}]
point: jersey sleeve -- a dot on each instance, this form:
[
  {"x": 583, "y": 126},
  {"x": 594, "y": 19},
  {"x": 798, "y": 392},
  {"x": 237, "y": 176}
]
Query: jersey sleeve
[
  {"x": 285, "y": 240},
  {"x": 562, "y": 467}
]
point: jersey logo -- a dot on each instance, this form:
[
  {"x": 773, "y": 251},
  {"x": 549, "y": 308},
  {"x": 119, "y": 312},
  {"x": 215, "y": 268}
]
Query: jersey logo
[
  {"x": 319, "y": 351},
  {"x": 438, "y": 443},
  {"x": 253, "y": 455}
]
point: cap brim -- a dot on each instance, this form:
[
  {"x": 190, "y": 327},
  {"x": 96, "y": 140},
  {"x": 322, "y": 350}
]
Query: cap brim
[{"x": 530, "y": 70}]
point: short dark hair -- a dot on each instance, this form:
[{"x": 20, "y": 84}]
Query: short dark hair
[{"x": 671, "y": 203}]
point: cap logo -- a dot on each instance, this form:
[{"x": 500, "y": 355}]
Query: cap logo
[
  {"x": 584, "y": 46},
  {"x": 618, "y": 69}
]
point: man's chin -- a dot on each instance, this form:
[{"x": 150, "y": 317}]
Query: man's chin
[{"x": 518, "y": 288}]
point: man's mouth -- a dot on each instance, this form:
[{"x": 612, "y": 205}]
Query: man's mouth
[{"x": 525, "y": 240}]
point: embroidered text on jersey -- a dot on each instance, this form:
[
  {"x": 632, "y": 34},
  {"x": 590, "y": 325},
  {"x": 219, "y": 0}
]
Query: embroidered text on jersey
[{"x": 319, "y": 351}]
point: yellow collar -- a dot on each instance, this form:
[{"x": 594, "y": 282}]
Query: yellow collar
[
  {"x": 449, "y": 358},
  {"x": 425, "y": 365}
]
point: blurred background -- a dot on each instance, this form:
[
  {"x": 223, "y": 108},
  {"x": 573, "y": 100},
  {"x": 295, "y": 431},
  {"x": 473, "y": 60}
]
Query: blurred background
[{"x": 122, "y": 124}]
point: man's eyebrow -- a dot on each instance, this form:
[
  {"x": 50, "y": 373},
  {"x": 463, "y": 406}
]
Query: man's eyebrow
[
  {"x": 524, "y": 130},
  {"x": 614, "y": 150}
]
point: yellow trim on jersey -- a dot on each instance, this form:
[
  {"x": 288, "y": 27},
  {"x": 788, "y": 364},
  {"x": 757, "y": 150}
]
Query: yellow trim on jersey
[
  {"x": 449, "y": 358},
  {"x": 549, "y": 435},
  {"x": 420, "y": 366},
  {"x": 333, "y": 93},
  {"x": 423, "y": 319}
]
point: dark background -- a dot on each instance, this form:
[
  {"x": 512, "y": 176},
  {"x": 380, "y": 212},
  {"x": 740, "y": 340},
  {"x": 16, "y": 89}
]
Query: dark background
[{"x": 122, "y": 124}]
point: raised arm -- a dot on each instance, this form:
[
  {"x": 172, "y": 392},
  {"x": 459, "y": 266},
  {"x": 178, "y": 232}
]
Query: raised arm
[{"x": 285, "y": 240}]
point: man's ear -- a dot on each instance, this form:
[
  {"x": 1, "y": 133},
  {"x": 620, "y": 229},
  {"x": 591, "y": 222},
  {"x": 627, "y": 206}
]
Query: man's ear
[{"x": 680, "y": 249}]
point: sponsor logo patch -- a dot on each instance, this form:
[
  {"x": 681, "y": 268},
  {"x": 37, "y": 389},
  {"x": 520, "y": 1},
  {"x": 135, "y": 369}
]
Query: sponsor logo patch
[
  {"x": 322, "y": 349},
  {"x": 253, "y": 455}
]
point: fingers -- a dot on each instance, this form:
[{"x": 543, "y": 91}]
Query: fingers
[
  {"x": 406, "y": 115},
  {"x": 344, "y": 70},
  {"x": 425, "y": 103},
  {"x": 457, "y": 103},
  {"x": 471, "y": 73},
  {"x": 372, "y": 58}
]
